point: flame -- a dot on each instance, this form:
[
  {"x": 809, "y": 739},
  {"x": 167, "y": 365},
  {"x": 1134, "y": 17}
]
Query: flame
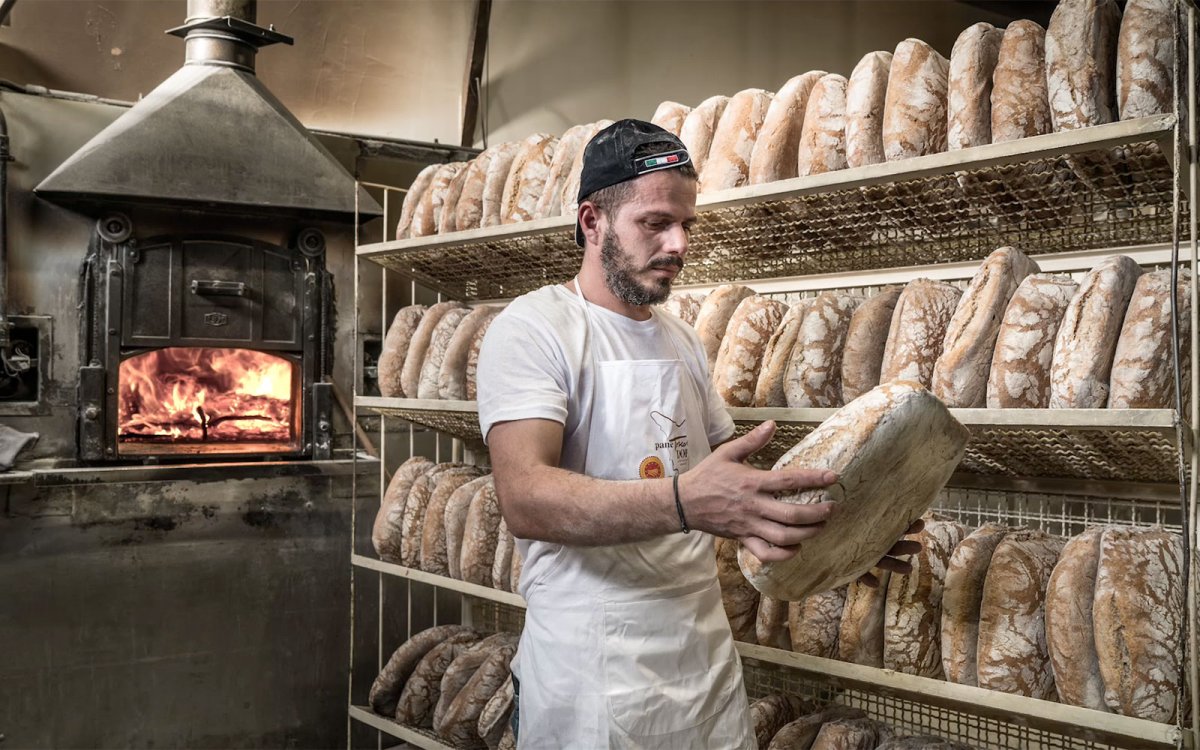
[{"x": 205, "y": 395}]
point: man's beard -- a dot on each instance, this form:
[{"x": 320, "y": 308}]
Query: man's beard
[{"x": 620, "y": 274}]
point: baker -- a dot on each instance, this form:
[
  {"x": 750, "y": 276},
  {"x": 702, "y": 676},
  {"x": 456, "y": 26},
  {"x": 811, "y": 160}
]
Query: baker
[{"x": 601, "y": 422}]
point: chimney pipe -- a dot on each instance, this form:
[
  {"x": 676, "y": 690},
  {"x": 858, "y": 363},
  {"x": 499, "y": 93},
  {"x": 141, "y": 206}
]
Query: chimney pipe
[{"x": 214, "y": 45}]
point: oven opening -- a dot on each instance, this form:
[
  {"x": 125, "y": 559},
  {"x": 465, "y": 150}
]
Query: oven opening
[{"x": 190, "y": 400}]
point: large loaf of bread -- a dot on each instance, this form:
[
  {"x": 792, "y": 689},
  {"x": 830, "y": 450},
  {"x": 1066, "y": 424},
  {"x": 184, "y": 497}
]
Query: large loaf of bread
[
  {"x": 432, "y": 555},
  {"x": 502, "y": 562},
  {"x": 413, "y": 197},
  {"x": 814, "y": 372},
  {"x": 813, "y": 623},
  {"x": 960, "y": 375},
  {"x": 413, "y": 517},
  {"x": 684, "y": 306},
  {"x": 1146, "y": 59},
  {"x": 728, "y": 164},
  {"x": 739, "y": 598},
  {"x": 1081, "y": 51},
  {"x": 969, "y": 89},
  {"x": 1087, "y": 339},
  {"x": 961, "y": 599},
  {"x": 1138, "y": 615},
  {"x": 848, "y": 734},
  {"x": 472, "y": 368},
  {"x": 1143, "y": 372},
  {"x": 768, "y": 715},
  {"x": 1070, "y": 638},
  {"x": 498, "y": 169},
  {"x": 457, "y": 508},
  {"x": 570, "y": 194},
  {"x": 914, "y": 111},
  {"x": 670, "y": 116},
  {"x": 714, "y": 316},
  {"x": 385, "y": 691},
  {"x": 423, "y": 689},
  {"x": 480, "y": 534},
  {"x": 775, "y": 150},
  {"x": 395, "y": 349},
  {"x": 802, "y": 732},
  {"x": 460, "y": 672},
  {"x": 699, "y": 128},
  {"x": 912, "y": 631},
  {"x": 1020, "y": 102},
  {"x": 448, "y": 218},
  {"x": 460, "y": 719},
  {"x": 418, "y": 346},
  {"x": 388, "y": 531},
  {"x": 468, "y": 212},
  {"x": 771, "y": 627},
  {"x": 866, "y": 94},
  {"x": 1019, "y": 377},
  {"x": 823, "y": 138},
  {"x": 917, "y": 331},
  {"x": 435, "y": 353},
  {"x": 740, "y": 356},
  {"x": 568, "y": 147},
  {"x": 527, "y": 178},
  {"x": 429, "y": 208},
  {"x": 1012, "y": 655},
  {"x": 778, "y": 354},
  {"x": 893, "y": 450},
  {"x": 860, "y": 635},
  {"x": 866, "y": 340},
  {"x": 452, "y": 373},
  {"x": 495, "y": 714}
]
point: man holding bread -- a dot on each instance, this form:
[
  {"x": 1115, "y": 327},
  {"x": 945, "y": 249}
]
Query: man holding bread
[{"x": 614, "y": 469}]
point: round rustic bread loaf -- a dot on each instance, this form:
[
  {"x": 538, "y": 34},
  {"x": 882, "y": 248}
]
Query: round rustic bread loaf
[
  {"x": 866, "y": 93},
  {"x": 728, "y": 164},
  {"x": 570, "y": 193},
  {"x": 429, "y": 209},
  {"x": 481, "y": 531},
  {"x": 803, "y": 731},
  {"x": 387, "y": 533},
  {"x": 413, "y": 515},
  {"x": 435, "y": 353},
  {"x": 670, "y": 116},
  {"x": 961, "y": 599},
  {"x": 432, "y": 555},
  {"x": 699, "y": 127},
  {"x": 1020, "y": 102},
  {"x": 412, "y": 198},
  {"x": 814, "y": 373},
  {"x": 739, "y": 598},
  {"x": 823, "y": 139},
  {"x": 496, "y": 712},
  {"x": 893, "y": 450},
  {"x": 491, "y": 204},
  {"x": 1143, "y": 372},
  {"x": 468, "y": 212},
  {"x": 1020, "y": 374},
  {"x": 460, "y": 671},
  {"x": 771, "y": 627},
  {"x": 418, "y": 346},
  {"x": 502, "y": 562},
  {"x": 769, "y": 713},
  {"x": 860, "y": 635},
  {"x": 778, "y": 143},
  {"x": 448, "y": 217},
  {"x": 713, "y": 318},
  {"x": 1070, "y": 637},
  {"x": 1145, "y": 59},
  {"x": 452, "y": 374},
  {"x": 527, "y": 178},
  {"x": 918, "y": 330},
  {"x": 866, "y": 341},
  {"x": 472, "y": 368},
  {"x": 395, "y": 349},
  {"x": 421, "y": 692},
  {"x": 683, "y": 306},
  {"x": 814, "y": 621},
  {"x": 460, "y": 721},
  {"x": 778, "y": 355},
  {"x": 969, "y": 87},
  {"x": 914, "y": 111},
  {"x": 385, "y": 691},
  {"x": 569, "y": 146},
  {"x": 740, "y": 356},
  {"x": 848, "y": 734},
  {"x": 1081, "y": 52},
  {"x": 455, "y": 520}
]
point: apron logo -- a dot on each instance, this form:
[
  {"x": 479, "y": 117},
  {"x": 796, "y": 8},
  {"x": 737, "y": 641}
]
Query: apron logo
[
  {"x": 675, "y": 441},
  {"x": 651, "y": 468}
]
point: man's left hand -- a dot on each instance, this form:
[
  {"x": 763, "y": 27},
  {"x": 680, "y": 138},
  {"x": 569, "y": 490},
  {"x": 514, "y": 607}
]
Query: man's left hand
[{"x": 891, "y": 561}]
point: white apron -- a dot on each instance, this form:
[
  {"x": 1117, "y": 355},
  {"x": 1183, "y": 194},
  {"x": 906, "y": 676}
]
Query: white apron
[{"x": 628, "y": 646}]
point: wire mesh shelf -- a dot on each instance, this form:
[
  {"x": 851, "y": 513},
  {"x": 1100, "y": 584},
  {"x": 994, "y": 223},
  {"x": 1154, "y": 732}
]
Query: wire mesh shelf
[{"x": 1104, "y": 186}]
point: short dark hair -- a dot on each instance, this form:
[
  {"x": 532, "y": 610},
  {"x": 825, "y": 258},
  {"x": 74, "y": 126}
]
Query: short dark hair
[{"x": 611, "y": 198}]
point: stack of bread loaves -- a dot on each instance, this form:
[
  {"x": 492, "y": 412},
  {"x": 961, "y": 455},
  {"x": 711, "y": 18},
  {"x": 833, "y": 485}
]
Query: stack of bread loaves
[
  {"x": 432, "y": 352},
  {"x": 784, "y": 722}
]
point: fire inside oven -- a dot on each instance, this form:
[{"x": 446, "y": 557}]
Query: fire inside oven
[{"x": 184, "y": 400}]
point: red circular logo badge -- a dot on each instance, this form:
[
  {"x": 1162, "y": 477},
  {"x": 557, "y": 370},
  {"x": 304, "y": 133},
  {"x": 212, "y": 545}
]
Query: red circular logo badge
[{"x": 651, "y": 468}]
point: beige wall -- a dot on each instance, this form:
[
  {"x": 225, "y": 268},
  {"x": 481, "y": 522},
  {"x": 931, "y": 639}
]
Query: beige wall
[{"x": 395, "y": 67}]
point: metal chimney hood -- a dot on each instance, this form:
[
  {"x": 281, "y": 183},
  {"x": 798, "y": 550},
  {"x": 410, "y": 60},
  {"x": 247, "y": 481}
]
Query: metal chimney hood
[{"x": 211, "y": 136}]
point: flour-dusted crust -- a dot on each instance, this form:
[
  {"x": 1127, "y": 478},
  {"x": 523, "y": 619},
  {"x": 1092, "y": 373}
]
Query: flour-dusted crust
[
  {"x": 918, "y": 330},
  {"x": 412, "y": 518},
  {"x": 432, "y": 555},
  {"x": 461, "y": 719},
  {"x": 435, "y": 354},
  {"x": 395, "y": 349},
  {"x": 480, "y": 536},
  {"x": 848, "y": 734},
  {"x": 468, "y": 212},
  {"x": 1081, "y": 59},
  {"x": 502, "y": 562},
  {"x": 866, "y": 340},
  {"x": 893, "y": 449},
  {"x": 1020, "y": 373},
  {"x": 860, "y": 635},
  {"x": 460, "y": 671},
  {"x": 960, "y": 375},
  {"x": 728, "y": 164},
  {"x": 670, "y": 116},
  {"x": 1012, "y": 654},
  {"x": 813, "y": 623},
  {"x": 713, "y": 318},
  {"x": 570, "y": 193},
  {"x": 823, "y": 138},
  {"x": 412, "y": 198},
  {"x": 969, "y": 92},
  {"x": 385, "y": 691},
  {"x": 418, "y": 347},
  {"x": 527, "y": 178},
  {"x": 1020, "y": 101},
  {"x": 866, "y": 94},
  {"x": 569, "y": 146},
  {"x": 771, "y": 627},
  {"x": 1070, "y": 637},
  {"x": 518, "y": 563},
  {"x": 778, "y": 354},
  {"x": 429, "y": 209},
  {"x": 768, "y": 715},
  {"x": 1146, "y": 59},
  {"x": 914, "y": 112},
  {"x": 774, "y": 156},
  {"x": 699, "y": 128},
  {"x": 814, "y": 373},
  {"x": 498, "y": 170},
  {"x": 739, "y": 598},
  {"x": 1087, "y": 339},
  {"x": 686, "y": 307},
  {"x": 452, "y": 372},
  {"x": 961, "y": 598},
  {"x": 387, "y": 533},
  {"x": 472, "y": 367},
  {"x": 495, "y": 714},
  {"x": 1138, "y": 614},
  {"x": 455, "y": 520},
  {"x": 802, "y": 732},
  {"x": 421, "y": 692},
  {"x": 1143, "y": 370},
  {"x": 448, "y": 217},
  {"x": 912, "y": 633},
  {"x": 740, "y": 356}
]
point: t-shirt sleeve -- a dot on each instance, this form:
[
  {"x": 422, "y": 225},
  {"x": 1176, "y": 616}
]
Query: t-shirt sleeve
[{"x": 521, "y": 373}]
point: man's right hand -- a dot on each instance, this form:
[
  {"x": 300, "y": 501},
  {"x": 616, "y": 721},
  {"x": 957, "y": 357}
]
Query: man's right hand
[{"x": 724, "y": 496}]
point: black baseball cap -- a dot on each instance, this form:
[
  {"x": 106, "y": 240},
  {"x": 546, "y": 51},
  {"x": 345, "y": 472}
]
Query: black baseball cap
[{"x": 608, "y": 158}]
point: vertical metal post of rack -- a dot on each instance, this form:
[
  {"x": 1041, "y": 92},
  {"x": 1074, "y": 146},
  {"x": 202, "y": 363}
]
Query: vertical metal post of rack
[{"x": 1193, "y": 422}]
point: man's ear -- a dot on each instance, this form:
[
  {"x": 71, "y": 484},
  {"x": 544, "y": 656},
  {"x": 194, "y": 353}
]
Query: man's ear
[{"x": 589, "y": 221}]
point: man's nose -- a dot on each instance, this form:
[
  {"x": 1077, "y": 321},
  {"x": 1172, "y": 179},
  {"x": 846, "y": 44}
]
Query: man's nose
[{"x": 676, "y": 240}]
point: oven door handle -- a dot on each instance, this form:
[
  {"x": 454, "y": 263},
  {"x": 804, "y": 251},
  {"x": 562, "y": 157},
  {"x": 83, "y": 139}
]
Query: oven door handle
[{"x": 213, "y": 287}]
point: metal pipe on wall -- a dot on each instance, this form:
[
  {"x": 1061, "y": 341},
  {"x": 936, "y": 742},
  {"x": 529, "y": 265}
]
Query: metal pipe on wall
[{"x": 5, "y": 341}]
